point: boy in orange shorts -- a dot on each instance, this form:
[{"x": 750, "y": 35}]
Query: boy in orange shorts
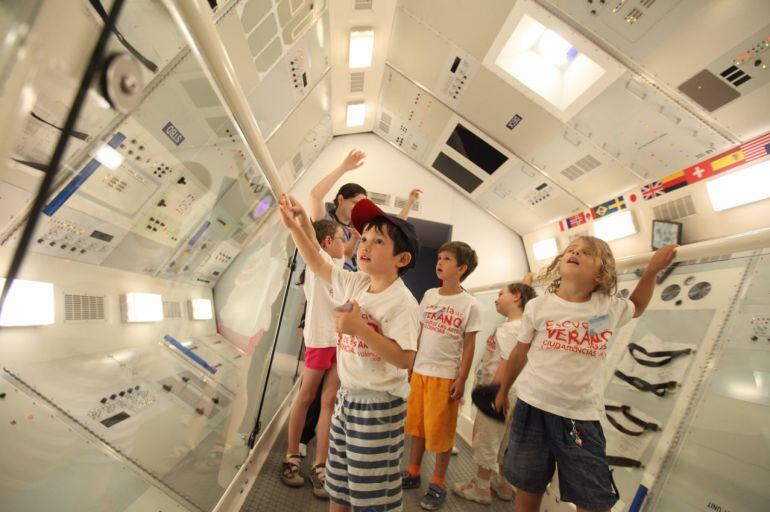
[{"x": 450, "y": 319}]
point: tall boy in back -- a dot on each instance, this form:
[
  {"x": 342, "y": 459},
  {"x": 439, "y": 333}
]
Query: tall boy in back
[
  {"x": 378, "y": 339},
  {"x": 450, "y": 319},
  {"x": 561, "y": 345}
]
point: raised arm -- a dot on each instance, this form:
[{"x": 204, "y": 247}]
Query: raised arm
[
  {"x": 643, "y": 292},
  {"x": 352, "y": 323},
  {"x": 307, "y": 248},
  {"x": 414, "y": 196},
  {"x": 300, "y": 215},
  {"x": 354, "y": 160}
]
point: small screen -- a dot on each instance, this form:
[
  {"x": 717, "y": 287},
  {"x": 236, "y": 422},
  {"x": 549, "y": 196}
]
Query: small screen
[
  {"x": 475, "y": 149},
  {"x": 666, "y": 233},
  {"x": 102, "y": 236},
  {"x": 117, "y": 418}
]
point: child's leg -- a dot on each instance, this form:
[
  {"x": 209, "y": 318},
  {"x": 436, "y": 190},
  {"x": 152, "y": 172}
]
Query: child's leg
[
  {"x": 336, "y": 507},
  {"x": 527, "y": 501},
  {"x": 415, "y": 425},
  {"x": 442, "y": 463},
  {"x": 311, "y": 380},
  {"x": 330, "y": 386}
]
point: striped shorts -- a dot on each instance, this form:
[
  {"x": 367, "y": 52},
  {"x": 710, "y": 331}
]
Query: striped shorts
[{"x": 366, "y": 441}]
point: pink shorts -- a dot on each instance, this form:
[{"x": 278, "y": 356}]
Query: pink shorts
[{"x": 320, "y": 359}]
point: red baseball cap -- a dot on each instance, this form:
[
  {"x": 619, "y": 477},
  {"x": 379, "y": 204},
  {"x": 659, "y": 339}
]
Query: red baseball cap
[{"x": 366, "y": 211}]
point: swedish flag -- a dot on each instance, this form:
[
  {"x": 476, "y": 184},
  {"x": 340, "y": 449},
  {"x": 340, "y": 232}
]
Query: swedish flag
[{"x": 611, "y": 206}]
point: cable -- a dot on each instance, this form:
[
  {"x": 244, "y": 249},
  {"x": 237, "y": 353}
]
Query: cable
[
  {"x": 99, "y": 8},
  {"x": 74, "y": 133},
  {"x": 92, "y": 69}
]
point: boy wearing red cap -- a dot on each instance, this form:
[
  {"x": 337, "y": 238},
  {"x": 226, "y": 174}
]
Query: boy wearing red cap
[{"x": 377, "y": 344}]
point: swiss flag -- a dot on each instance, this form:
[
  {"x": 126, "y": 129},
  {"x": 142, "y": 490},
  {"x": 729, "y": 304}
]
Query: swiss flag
[{"x": 698, "y": 172}]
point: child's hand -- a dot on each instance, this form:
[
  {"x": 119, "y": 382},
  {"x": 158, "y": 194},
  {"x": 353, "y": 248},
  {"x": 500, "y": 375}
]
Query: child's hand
[
  {"x": 502, "y": 403},
  {"x": 349, "y": 322},
  {"x": 354, "y": 160},
  {"x": 457, "y": 389},
  {"x": 353, "y": 232},
  {"x": 299, "y": 213},
  {"x": 414, "y": 195},
  {"x": 661, "y": 259},
  {"x": 287, "y": 216}
]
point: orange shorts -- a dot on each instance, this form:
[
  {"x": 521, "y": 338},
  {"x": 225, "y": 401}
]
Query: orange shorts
[{"x": 431, "y": 413}]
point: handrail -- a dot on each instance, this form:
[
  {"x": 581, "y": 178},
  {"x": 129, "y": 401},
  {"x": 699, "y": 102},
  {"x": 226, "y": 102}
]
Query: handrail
[
  {"x": 194, "y": 19},
  {"x": 748, "y": 241}
]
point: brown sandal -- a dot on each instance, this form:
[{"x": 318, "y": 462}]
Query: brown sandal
[{"x": 290, "y": 470}]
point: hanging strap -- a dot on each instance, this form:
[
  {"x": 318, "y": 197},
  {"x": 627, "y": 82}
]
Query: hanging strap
[
  {"x": 642, "y": 385},
  {"x": 669, "y": 355},
  {"x": 624, "y": 462},
  {"x": 626, "y": 410}
]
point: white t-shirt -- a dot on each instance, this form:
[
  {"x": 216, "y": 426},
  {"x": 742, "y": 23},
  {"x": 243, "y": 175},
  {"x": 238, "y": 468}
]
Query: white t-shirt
[
  {"x": 320, "y": 331},
  {"x": 569, "y": 342},
  {"x": 445, "y": 320},
  {"x": 394, "y": 313},
  {"x": 499, "y": 346}
]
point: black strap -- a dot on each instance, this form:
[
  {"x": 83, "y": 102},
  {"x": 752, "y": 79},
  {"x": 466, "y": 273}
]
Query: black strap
[
  {"x": 642, "y": 385},
  {"x": 624, "y": 462},
  {"x": 669, "y": 355},
  {"x": 626, "y": 410},
  {"x": 99, "y": 8}
]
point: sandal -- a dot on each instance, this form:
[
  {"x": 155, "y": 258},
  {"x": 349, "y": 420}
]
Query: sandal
[
  {"x": 290, "y": 470},
  {"x": 318, "y": 478}
]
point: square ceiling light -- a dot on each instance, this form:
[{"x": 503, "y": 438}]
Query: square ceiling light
[
  {"x": 142, "y": 307},
  {"x": 356, "y": 114},
  {"x": 361, "y": 48},
  {"x": 201, "y": 309},
  {"x": 28, "y": 303},
  {"x": 617, "y": 225},
  {"x": 545, "y": 249},
  {"x": 741, "y": 187},
  {"x": 549, "y": 62}
]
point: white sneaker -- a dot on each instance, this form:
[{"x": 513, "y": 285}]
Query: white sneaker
[
  {"x": 470, "y": 491},
  {"x": 502, "y": 488},
  {"x": 455, "y": 451}
]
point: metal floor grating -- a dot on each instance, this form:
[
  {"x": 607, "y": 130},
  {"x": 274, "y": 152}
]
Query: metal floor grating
[{"x": 270, "y": 494}]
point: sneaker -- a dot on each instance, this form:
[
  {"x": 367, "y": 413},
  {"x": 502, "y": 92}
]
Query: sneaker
[
  {"x": 410, "y": 482},
  {"x": 318, "y": 479},
  {"x": 290, "y": 470},
  {"x": 470, "y": 491},
  {"x": 434, "y": 498},
  {"x": 502, "y": 488},
  {"x": 455, "y": 451}
]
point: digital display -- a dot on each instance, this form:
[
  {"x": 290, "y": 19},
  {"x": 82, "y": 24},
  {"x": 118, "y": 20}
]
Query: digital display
[
  {"x": 475, "y": 149},
  {"x": 117, "y": 418},
  {"x": 104, "y": 237},
  {"x": 456, "y": 172},
  {"x": 666, "y": 233}
]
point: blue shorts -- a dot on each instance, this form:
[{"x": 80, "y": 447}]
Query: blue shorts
[{"x": 540, "y": 442}]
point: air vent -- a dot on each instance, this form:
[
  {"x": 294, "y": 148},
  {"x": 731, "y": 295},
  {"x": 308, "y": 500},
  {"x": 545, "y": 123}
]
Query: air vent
[
  {"x": 172, "y": 309},
  {"x": 400, "y": 202},
  {"x": 735, "y": 76},
  {"x": 83, "y": 308},
  {"x": 712, "y": 259},
  {"x": 240, "y": 236},
  {"x": 357, "y": 82},
  {"x": 363, "y": 5},
  {"x": 296, "y": 164},
  {"x": 676, "y": 209},
  {"x": 581, "y": 167},
  {"x": 385, "y": 120},
  {"x": 380, "y": 198}
]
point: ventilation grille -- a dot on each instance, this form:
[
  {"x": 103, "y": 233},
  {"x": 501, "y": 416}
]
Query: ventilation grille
[
  {"x": 380, "y": 198},
  {"x": 296, "y": 164},
  {"x": 676, "y": 209},
  {"x": 735, "y": 76},
  {"x": 581, "y": 167},
  {"x": 711, "y": 259},
  {"x": 79, "y": 308},
  {"x": 400, "y": 202},
  {"x": 385, "y": 120},
  {"x": 363, "y": 5},
  {"x": 172, "y": 309},
  {"x": 357, "y": 82},
  {"x": 240, "y": 236}
]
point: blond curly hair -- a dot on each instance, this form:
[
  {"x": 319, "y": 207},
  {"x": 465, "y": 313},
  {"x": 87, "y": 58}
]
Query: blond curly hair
[{"x": 609, "y": 277}]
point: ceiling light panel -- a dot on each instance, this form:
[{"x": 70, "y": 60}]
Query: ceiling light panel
[
  {"x": 550, "y": 62},
  {"x": 360, "y": 48},
  {"x": 356, "y": 114},
  {"x": 29, "y": 303},
  {"x": 614, "y": 227},
  {"x": 745, "y": 186}
]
